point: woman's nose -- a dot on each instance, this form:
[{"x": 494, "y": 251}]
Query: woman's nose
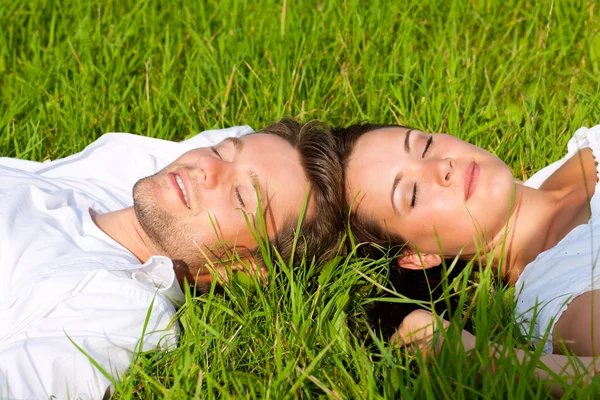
[{"x": 444, "y": 171}]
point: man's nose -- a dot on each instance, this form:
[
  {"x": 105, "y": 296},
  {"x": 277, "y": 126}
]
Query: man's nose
[{"x": 211, "y": 171}]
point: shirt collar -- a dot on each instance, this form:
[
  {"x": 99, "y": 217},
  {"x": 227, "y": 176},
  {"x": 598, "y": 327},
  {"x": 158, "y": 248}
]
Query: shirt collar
[{"x": 158, "y": 271}]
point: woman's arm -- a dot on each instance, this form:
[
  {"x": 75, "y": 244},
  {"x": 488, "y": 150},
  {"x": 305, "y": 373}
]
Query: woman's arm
[{"x": 418, "y": 327}]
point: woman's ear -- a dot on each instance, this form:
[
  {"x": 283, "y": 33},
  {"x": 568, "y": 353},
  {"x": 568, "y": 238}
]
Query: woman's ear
[{"x": 412, "y": 260}]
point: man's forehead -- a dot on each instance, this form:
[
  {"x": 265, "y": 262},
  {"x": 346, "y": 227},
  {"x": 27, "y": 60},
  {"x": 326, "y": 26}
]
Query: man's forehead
[
  {"x": 257, "y": 142},
  {"x": 265, "y": 139},
  {"x": 271, "y": 161},
  {"x": 282, "y": 175}
]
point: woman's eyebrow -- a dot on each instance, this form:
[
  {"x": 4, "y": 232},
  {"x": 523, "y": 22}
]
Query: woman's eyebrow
[
  {"x": 397, "y": 180},
  {"x": 398, "y": 177},
  {"x": 407, "y": 141}
]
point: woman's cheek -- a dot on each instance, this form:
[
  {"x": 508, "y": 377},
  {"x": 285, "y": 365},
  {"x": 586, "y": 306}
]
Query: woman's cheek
[{"x": 442, "y": 208}]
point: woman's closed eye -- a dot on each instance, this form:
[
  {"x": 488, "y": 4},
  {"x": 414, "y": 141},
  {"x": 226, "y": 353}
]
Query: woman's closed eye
[
  {"x": 415, "y": 191},
  {"x": 428, "y": 146},
  {"x": 413, "y": 201}
]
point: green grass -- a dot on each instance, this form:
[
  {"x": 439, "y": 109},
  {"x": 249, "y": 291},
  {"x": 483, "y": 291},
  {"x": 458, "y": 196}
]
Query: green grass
[{"x": 515, "y": 77}]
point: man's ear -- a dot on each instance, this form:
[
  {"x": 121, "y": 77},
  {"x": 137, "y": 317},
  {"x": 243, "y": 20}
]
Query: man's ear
[
  {"x": 412, "y": 260},
  {"x": 249, "y": 266}
]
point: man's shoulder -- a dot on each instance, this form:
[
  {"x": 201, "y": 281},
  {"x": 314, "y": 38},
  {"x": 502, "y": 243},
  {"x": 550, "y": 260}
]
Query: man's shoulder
[
  {"x": 98, "y": 312},
  {"x": 92, "y": 296}
]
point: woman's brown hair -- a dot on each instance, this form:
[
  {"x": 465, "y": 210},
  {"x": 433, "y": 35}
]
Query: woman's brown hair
[{"x": 376, "y": 241}]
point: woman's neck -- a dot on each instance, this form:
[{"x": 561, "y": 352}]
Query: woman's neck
[
  {"x": 529, "y": 230},
  {"x": 543, "y": 217}
]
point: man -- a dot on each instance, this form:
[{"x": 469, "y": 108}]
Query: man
[{"x": 82, "y": 262}]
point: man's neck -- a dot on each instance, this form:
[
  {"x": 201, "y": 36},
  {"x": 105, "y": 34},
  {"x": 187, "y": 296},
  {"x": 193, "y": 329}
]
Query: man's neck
[{"x": 123, "y": 227}]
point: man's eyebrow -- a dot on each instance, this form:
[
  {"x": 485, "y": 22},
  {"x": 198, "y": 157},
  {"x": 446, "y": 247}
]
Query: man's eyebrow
[
  {"x": 237, "y": 143},
  {"x": 407, "y": 141},
  {"x": 256, "y": 184},
  {"x": 397, "y": 180}
]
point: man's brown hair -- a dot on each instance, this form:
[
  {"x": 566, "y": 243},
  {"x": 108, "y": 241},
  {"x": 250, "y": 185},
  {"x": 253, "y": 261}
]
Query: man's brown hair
[{"x": 321, "y": 230}]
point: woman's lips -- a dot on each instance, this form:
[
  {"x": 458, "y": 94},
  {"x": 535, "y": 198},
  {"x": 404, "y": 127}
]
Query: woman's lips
[{"x": 471, "y": 179}]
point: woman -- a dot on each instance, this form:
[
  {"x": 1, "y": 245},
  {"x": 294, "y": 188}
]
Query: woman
[{"x": 434, "y": 191}]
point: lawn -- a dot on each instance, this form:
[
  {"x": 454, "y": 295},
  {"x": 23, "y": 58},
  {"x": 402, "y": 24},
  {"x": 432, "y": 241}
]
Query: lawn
[{"x": 515, "y": 77}]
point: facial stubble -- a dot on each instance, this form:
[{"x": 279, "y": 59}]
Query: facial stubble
[{"x": 166, "y": 232}]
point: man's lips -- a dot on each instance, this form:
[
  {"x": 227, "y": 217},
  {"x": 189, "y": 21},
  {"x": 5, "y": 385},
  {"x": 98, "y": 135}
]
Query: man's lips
[
  {"x": 471, "y": 179},
  {"x": 173, "y": 179}
]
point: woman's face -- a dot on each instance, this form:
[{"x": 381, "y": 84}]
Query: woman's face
[{"x": 429, "y": 187}]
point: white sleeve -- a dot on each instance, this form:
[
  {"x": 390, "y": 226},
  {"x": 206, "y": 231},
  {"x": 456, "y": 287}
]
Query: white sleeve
[
  {"x": 24, "y": 165},
  {"x": 118, "y": 160},
  {"x": 117, "y": 148},
  {"x": 125, "y": 151},
  {"x": 44, "y": 362},
  {"x": 214, "y": 136}
]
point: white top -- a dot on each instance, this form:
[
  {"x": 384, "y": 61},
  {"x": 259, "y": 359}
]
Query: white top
[
  {"x": 558, "y": 275},
  {"x": 64, "y": 283}
]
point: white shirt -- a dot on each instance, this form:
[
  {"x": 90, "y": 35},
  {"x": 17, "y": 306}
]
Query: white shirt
[
  {"x": 558, "y": 275},
  {"x": 63, "y": 281}
]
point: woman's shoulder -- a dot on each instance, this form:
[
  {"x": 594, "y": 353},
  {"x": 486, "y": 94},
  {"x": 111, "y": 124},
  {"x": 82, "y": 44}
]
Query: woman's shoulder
[
  {"x": 579, "y": 172},
  {"x": 583, "y": 138}
]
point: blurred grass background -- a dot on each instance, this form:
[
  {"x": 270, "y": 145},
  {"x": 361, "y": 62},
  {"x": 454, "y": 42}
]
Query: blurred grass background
[{"x": 515, "y": 77}]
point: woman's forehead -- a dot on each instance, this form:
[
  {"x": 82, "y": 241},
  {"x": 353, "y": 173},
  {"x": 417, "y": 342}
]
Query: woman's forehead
[
  {"x": 387, "y": 133},
  {"x": 374, "y": 148}
]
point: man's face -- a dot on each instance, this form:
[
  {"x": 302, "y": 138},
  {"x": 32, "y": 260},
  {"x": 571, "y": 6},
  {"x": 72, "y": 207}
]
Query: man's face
[{"x": 196, "y": 204}]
